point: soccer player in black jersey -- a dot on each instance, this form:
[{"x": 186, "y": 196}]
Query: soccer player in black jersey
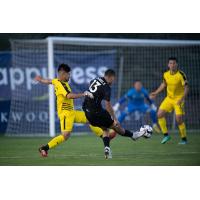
[{"x": 105, "y": 118}]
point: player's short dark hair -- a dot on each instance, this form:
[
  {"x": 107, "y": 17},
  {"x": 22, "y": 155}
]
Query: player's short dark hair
[
  {"x": 109, "y": 72},
  {"x": 137, "y": 80},
  {"x": 172, "y": 58},
  {"x": 64, "y": 67}
]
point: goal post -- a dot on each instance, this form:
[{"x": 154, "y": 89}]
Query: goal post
[
  {"x": 132, "y": 59},
  {"x": 51, "y": 73}
]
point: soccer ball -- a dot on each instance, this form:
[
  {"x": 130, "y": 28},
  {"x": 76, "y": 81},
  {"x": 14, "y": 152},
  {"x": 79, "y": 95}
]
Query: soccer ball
[{"x": 148, "y": 129}]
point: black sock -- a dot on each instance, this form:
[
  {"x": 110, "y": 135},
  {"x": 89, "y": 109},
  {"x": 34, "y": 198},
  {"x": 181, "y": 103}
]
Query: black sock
[
  {"x": 106, "y": 141},
  {"x": 184, "y": 139},
  {"x": 166, "y": 134},
  {"x": 128, "y": 133},
  {"x": 46, "y": 147}
]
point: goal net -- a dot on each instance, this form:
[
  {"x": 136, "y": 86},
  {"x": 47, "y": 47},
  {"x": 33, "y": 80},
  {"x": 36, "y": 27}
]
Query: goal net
[{"x": 33, "y": 110}]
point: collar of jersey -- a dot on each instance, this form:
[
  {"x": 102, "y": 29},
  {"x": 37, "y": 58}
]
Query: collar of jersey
[
  {"x": 62, "y": 81},
  {"x": 174, "y": 73}
]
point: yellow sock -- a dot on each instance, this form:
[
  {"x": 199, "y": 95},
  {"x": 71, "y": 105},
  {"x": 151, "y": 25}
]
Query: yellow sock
[
  {"x": 182, "y": 130},
  {"x": 98, "y": 131},
  {"x": 163, "y": 125},
  {"x": 55, "y": 141}
]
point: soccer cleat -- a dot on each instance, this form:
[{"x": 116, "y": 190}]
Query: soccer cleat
[
  {"x": 183, "y": 142},
  {"x": 108, "y": 153},
  {"x": 156, "y": 128},
  {"x": 43, "y": 152},
  {"x": 165, "y": 139},
  {"x": 138, "y": 134}
]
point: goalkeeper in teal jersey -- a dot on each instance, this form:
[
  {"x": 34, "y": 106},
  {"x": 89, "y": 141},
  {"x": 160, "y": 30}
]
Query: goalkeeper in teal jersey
[{"x": 136, "y": 102}]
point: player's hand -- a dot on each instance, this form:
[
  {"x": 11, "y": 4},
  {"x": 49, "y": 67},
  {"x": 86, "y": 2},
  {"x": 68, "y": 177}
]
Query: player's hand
[
  {"x": 116, "y": 107},
  {"x": 180, "y": 101},
  {"x": 38, "y": 78},
  {"x": 88, "y": 94},
  {"x": 153, "y": 95},
  {"x": 153, "y": 107}
]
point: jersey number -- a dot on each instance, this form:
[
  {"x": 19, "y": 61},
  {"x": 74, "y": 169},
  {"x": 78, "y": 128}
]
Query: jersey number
[{"x": 94, "y": 85}]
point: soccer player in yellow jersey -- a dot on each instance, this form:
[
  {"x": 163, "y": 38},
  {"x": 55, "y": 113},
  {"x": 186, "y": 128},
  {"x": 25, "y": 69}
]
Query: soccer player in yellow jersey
[
  {"x": 65, "y": 108},
  {"x": 175, "y": 81}
]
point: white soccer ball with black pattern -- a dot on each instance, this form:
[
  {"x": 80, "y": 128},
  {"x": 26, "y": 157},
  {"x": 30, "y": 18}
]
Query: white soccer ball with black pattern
[{"x": 149, "y": 130}]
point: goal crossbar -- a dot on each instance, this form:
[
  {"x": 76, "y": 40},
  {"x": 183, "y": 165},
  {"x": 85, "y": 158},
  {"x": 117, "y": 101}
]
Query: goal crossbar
[{"x": 120, "y": 42}]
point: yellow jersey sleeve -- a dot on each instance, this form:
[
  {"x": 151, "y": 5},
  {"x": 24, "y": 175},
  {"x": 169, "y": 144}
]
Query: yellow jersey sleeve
[
  {"x": 183, "y": 78},
  {"x": 60, "y": 88},
  {"x": 54, "y": 81}
]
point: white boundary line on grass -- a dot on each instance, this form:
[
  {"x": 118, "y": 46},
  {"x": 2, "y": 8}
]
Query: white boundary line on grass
[{"x": 98, "y": 155}]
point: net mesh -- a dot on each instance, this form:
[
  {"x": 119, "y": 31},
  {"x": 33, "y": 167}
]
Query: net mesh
[
  {"x": 29, "y": 101},
  {"x": 131, "y": 62}
]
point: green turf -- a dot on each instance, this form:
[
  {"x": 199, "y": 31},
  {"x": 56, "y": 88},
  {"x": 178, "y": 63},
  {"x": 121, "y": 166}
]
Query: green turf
[{"x": 88, "y": 150}]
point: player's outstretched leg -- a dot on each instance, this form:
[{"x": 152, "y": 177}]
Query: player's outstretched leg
[
  {"x": 126, "y": 133},
  {"x": 53, "y": 143}
]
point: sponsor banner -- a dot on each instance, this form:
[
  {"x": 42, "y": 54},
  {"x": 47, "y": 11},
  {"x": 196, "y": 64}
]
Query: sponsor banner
[{"x": 29, "y": 105}]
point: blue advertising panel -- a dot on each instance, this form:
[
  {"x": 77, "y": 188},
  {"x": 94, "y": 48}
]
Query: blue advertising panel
[
  {"x": 29, "y": 106},
  {"x": 5, "y": 92}
]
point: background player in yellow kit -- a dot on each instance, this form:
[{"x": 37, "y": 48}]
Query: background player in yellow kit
[
  {"x": 65, "y": 108},
  {"x": 177, "y": 89}
]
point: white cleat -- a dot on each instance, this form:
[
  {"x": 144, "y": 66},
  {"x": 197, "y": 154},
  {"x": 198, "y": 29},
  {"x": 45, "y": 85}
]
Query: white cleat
[
  {"x": 138, "y": 134},
  {"x": 108, "y": 153}
]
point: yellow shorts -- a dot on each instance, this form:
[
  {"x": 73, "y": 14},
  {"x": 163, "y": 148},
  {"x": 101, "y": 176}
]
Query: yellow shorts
[
  {"x": 68, "y": 118},
  {"x": 169, "y": 105}
]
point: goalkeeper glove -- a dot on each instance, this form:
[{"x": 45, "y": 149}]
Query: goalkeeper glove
[{"x": 153, "y": 107}]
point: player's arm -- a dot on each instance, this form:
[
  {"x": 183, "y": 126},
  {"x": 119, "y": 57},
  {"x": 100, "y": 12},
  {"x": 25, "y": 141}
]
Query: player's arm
[
  {"x": 42, "y": 80},
  {"x": 186, "y": 91},
  {"x": 62, "y": 89},
  {"x": 146, "y": 95},
  {"x": 79, "y": 95},
  {"x": 122, "y": 100},
  {"x": 109, "y": 108},
  {"x": 108, "y": 105},
  {"x": 162, "y": 86},
  {"x": 149, "y": 100}
]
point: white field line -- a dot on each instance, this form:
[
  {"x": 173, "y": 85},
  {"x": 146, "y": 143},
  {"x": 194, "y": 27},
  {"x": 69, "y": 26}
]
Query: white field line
[{"x": 99, "y": 155}]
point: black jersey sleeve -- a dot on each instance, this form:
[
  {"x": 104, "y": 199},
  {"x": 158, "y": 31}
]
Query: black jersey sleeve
[{"x": 107, "y": 94}]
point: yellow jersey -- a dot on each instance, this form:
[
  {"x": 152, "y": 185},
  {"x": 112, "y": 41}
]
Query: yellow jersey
[
  {"x": 175, "y": 84},
  {"x": 61, "y": 90}
]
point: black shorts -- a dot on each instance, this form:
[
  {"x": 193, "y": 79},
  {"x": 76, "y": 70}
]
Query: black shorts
[{"x": 100, "y": 119}]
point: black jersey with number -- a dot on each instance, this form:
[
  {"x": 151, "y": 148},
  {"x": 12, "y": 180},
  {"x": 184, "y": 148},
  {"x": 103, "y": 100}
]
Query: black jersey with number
[{"x": 101, "y": 91}]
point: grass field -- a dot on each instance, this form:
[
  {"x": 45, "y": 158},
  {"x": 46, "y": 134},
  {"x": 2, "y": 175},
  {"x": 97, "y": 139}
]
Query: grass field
[{"x": 88, "y": 150}]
